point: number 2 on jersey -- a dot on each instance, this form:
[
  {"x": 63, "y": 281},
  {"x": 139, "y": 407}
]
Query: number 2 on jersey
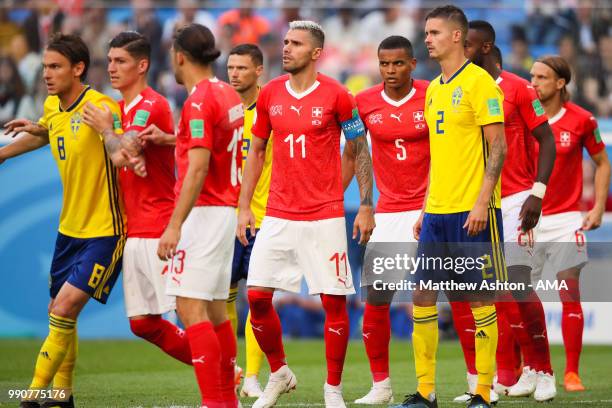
[
  {"x": 300, "y": 139},
  {"x": 439, "y": 122}
]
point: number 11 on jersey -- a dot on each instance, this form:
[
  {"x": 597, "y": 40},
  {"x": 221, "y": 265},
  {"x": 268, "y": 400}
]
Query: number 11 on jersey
[{"x": 300, "y": 139}]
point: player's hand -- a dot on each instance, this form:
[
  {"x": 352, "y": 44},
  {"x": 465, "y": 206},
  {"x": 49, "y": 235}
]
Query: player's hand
[
  {"x": 98, "y": 119},
  {"x": 416, "y": 228},
  {"x": 593, "y": 219},
  {"x": 246, "y": 219},
  {"x": 17, "y": 126},
  {"x": 364, "y": 224},
  {"x": 530, "y": 213},
  {"x": 154, "y": 135},
  {"x": 477, "y": 220},
  {"x": 130, "y": 142},
  {"x": 136, "y": 163},
  {"x": 168, "y": 242}
]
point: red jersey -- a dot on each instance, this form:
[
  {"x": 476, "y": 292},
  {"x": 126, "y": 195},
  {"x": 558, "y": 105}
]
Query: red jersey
[
  {"x": 400, "y": 146},
  {"x": 523, "y": 112},
  {"x": 149, "y": 201},
  {"x": 212, "y": 118},
  {"x": 306, "y": 181},
  {"x": 573, "y": 128}
]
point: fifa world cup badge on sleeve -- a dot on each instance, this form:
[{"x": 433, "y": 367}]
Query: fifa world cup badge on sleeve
[{"x": 353, "y": 127}]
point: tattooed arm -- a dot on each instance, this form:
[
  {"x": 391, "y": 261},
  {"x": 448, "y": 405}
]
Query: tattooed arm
[
  {"x": 478, "y": 217},
  {"x": 357, "y": 153},
  {"x": 124, "y": 150}
]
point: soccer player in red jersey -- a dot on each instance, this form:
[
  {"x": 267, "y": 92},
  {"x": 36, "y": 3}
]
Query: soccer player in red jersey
[
  {"x": 303, "y": 232},
  {"x": 393, "y": 113},
  {"x": 199, "y": 238},
  {"x": 148, "y": 201},
  {"x": 524, "y": 123},
  {"x": 560, "y": 233}
]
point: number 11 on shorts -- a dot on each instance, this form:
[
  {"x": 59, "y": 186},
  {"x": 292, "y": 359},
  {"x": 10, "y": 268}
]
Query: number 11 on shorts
[{"x": 341, "y": 266}]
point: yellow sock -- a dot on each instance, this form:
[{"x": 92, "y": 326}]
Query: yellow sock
[
  {"x": 254, "y": 355},
  {"x": 486, "y": 346},
  {"x": 231, "y": 309},
  {"x": 65, "y": 373},
  {"x": 425, "y": 345},
  {"x": 53, "y": 350}
]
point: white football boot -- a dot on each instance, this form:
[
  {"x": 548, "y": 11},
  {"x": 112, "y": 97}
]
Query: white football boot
[
  {"x": 546, "y": 389},
  {"x": 526, "y": 384},
  {"x": 380, "y": 393},
  {"x": 280, "y": 382},
  {"x": 333, "y": 396}
]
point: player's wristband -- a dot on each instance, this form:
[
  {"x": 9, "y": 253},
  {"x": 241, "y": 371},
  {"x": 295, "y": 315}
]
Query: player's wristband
[{"x": 538, "y": 190}]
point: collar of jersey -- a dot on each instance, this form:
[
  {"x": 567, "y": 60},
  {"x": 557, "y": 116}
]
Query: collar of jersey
[
  {"x": 558, "y": 116},
  {"x": 75, "y": 103},
  {"x": 455, "y": 74},
  {"x": 213, "y": 80},
  {"x": 402, "y": 101},
  {"x": 134, "y": 102},
  {"x": 252, "y": 106},
  {"x": 301, "y": 94}
]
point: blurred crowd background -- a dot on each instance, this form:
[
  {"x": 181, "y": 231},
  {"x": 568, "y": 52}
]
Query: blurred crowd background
[{"x": 578, "y": 30}]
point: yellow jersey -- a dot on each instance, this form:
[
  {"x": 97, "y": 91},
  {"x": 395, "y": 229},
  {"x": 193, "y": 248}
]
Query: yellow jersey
[
  {"x": 260, "y": 196},
  {"x": 456, "y": 111},
  {"x": 92, "y": 205}
]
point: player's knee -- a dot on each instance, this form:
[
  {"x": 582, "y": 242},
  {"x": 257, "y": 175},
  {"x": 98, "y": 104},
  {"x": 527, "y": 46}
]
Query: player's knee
[
  {"x": 145, "y": 327},
  {"x": 260, "y": 302},
  {"x": 65, "y": 308},
  {"x": 334, "y": 305},
  {"x": 571, "y": 273}
]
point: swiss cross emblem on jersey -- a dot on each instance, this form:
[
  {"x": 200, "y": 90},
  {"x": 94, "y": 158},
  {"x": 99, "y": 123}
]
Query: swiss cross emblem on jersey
[
  {"x": 317, "y": 112},
  {"x": 418, "y": 116},
  {"x": 565, "y": 138}
]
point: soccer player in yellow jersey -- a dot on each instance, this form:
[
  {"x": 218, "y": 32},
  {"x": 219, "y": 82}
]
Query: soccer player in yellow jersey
[
  {"x": 89, "y": 246},
  {"x": 244, "y": 67},
  {"x": 462, "y": 217}
]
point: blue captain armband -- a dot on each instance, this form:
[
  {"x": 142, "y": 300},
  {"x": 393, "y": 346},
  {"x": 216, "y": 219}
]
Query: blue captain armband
[{"x": 353, "y": 127}]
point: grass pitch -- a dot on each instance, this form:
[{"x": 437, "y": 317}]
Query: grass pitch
[{"x": 128, "y": 373}]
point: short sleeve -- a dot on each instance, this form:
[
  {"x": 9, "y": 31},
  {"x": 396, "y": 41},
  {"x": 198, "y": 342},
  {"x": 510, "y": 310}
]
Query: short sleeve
[
  {"x": 530, "y": 107},
  {"x": 347, "y": 115},
  {"x": 200, "y": 115},
  {"x": 262, "y": 126},
  {"x": 487, "y": 98},
  {"x": 592, "y": 137},
  {"x": 361, "y": 105},
  {"x": 115, "y": 111}
]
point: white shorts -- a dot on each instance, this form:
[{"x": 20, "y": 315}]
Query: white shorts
[
  {"x": 285, "y": 251},
  {"x": 561, "y": 243},
  {"x": 395, "y": 226},
  {"x": 518, "y": 245},
  {"x": 144, "y": 279},
  {"x": 393, "y": 235},
  {"x": 202, "y": 266}
]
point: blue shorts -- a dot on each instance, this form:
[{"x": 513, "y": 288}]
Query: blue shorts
[
  {"x": 90, "y": 264},
  {"x": 242, "y": 256},
  {"x": 469, "y": 259}
]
